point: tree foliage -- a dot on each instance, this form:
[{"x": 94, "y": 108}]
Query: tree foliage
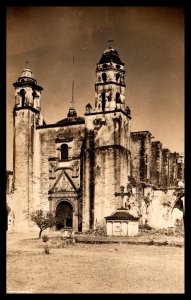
[{"x": 43, "y": 220}]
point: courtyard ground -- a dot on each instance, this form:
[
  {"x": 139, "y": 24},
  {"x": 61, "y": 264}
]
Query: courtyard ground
[{"x": 92, "y": 268}]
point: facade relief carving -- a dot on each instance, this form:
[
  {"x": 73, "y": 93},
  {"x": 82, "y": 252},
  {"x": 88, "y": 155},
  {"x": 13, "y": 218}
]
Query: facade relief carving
[
  {"x": 75, "y": 169},
  {"x": 53, "y": 165},
  {"x": 63, "y": 185}
]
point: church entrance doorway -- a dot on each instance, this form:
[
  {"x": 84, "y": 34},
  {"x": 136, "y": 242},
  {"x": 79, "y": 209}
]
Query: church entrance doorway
[{"x": 64, "y": 215}]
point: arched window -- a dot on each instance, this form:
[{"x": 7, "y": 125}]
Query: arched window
[
  {"x": 117, "y": 76},
  {"x": 104, "y": 76},
  {"x": 22, "y": 94},
  {"x": 103, "y": 101},
  {"x": 34, "y": 94},
  {"x": 118, "y": 100},
  {"x": 64, "y": 151}
]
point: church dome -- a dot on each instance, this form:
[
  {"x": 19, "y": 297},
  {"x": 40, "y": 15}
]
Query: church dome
[
  {"x": 72, "y": 112},
  {"x": 27, "y": 77},
  {"x": 110, "y": 55},
  {"x": 72, "y": 118},
  {"x": 27, "y": 73}
]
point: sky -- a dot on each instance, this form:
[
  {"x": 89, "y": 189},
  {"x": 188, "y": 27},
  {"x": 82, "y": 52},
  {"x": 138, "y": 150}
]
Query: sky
[{"x": 149, "y": 40}]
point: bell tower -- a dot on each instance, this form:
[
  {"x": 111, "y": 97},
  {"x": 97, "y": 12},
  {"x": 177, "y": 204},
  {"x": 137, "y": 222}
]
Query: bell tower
[
  {"x": 107, "y": 146},
  {"x": 110, "y": 82},
  {"x": 26, "y": 116},
  {"x": 27, "y": 92}
]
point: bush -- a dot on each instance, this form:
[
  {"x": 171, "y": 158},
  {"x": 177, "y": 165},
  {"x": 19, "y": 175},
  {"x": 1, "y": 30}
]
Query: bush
[
  {"x": 179, "y": 228},
  {"x": 145, "y": 226},
  {"x": 45, "y": 238},
  {"x": 165, "y": 243},
  {"x": 99, "y": 231},
  {"x": 151, "y": 242},
  {"x": 46, "y": 250},
  {"x": 62, "y": 243}
]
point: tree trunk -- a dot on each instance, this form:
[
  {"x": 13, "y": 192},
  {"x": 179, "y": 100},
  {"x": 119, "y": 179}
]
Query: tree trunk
[{"x": 40, "y": 234}]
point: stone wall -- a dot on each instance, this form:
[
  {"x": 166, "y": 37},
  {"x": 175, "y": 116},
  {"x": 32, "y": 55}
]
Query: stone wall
[
  {"x": 106, "y": 165},
  {"x": 165, "y": 167},
  {"x": 151, "y": 163},
  {"x": 112, "y": 166},
  {"x": 140, "y": 155},
  {"x": 23, "y": 166},
  {"x": 9, "y": 182},
  {"x": 173, "y": 157},
  {"x": 156, "y": 163},
  {"x": 160, "y": 209},
  {"x": 50, "y": 140},
  {"x": 180, "y": 168},
  {"x": 153, "y": 206}
]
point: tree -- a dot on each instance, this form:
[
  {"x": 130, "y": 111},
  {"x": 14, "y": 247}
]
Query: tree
[{"x": 43, "y": 220}]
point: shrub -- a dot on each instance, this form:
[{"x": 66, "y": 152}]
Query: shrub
[
  {"x": 179, "y": 228},
  {"x": 151, "y": 242},
  {"x": 165, "y": 243},
  {"x": 145, "y": 226},
  {"x": 99, "y": 231},
  {"x": 45, "y": 238},
  {"x": 46, "y": 250},
  {"x": 62, "y": 243}
]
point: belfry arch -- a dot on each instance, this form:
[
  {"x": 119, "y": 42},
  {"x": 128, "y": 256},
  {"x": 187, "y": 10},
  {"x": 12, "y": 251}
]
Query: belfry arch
[{"x": 103, "y": 101}]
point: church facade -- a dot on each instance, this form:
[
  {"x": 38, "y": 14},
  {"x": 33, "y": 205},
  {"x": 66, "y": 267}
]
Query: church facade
[{"x": 82, "y": 169}]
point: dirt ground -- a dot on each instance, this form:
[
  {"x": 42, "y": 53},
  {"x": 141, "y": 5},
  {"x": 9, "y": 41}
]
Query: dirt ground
[{"x": 92, "y": 268}]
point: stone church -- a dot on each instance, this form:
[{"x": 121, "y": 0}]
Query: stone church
[{"x": 84, "y": 168}]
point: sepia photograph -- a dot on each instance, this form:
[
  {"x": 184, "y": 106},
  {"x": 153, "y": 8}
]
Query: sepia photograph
[{"x": 95, "y": 187}]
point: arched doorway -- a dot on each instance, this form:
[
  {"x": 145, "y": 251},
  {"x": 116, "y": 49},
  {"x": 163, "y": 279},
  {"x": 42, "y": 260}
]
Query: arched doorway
[
  {"x": 178, "y": 213},
  {"x": 64, "y": 215}
]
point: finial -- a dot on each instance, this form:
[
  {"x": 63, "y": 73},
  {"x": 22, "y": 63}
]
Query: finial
[
  {"x": 109, "y": 43},
  {"x": 72, "y": 100},
  {"x": 72, "y": 111},
  {"x": 27, "y": 62}
]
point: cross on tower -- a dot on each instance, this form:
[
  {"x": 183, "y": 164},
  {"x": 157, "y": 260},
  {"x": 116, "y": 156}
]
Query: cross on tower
[
  {"x": 72, "y": 100},
  {"x": 27, "y": 62},
  {"x": 109, "y": 43}
]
